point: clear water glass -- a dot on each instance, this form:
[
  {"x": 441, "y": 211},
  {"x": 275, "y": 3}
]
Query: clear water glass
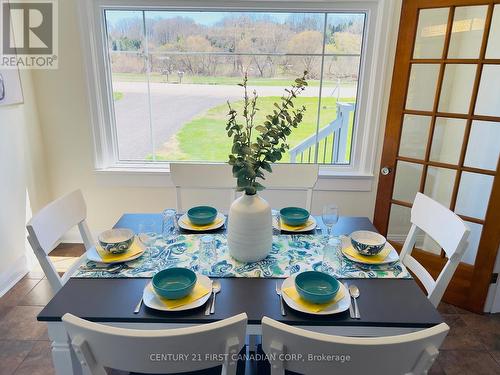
[
  {"x": 330, "y": 217},
  {"x": 332, "y": 257},
  {"x": 169, "y": 223},
  {"x": 147, "y": 233},
  {"x": 276, "y": 221},
  {"x": 207, "y": 254}
]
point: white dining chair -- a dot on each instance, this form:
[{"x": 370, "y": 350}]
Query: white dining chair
[
  {"x": 293, "y": 177},
  {"x": 47, "y": 227},
  {"x": 196, "y": 178},
  {"x": 305, "y": 352},
  {"x": 445, "y": 228},
  {"x": 163, "y": 351},
  {"x": 288, "y": 177}
]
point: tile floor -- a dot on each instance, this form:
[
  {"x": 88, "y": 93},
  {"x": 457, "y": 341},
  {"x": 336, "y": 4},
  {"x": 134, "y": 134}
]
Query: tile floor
[{"x": 472, "y": 347}]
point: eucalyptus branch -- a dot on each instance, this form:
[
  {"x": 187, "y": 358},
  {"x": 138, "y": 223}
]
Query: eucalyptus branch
[{"x": 249, "y": 158}]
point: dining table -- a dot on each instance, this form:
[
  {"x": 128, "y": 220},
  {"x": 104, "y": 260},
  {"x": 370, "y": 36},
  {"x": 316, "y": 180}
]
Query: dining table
[{"x": 390, "y": 303}]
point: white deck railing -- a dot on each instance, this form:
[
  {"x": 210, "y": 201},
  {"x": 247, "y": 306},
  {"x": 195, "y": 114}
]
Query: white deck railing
[{"x": 338, "y": 128}]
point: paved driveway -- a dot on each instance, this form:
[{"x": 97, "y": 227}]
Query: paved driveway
[{"x": 173, "y": 105}]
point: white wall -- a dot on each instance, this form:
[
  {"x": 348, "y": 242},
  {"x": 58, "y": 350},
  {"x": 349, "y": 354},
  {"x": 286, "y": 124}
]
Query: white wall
[
  {"x": 21, "y": 166},
  {"x": 63, "y": 111}
]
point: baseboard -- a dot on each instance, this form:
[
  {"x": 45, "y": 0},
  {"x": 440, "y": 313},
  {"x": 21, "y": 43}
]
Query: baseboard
[{"x": 15, "y": 273}]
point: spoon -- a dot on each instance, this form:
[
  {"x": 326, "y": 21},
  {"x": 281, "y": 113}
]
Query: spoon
[
  {"x": 215, "y": 289},
  {"x": 354, "y": 292}
]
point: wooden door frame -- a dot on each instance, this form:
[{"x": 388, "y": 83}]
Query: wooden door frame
[{"x": 462, "y": 291}]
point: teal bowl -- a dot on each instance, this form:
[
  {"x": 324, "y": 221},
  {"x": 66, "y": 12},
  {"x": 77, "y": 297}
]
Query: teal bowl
[
  {"x": 174, "y": 283},
  {"x": 294, "y": 216},
  {"x": 316, "y": 287},
  {"x": 202, "y": 215}
]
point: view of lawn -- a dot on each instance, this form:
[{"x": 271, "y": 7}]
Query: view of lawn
[
  {"x": 204, "y": 138},
  {"x": 218, "y": 80},
  {"x": 117, "y": 96}
]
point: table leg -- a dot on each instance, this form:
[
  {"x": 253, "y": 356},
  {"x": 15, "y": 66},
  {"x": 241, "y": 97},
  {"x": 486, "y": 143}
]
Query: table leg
[{"x": 63, "y": 356}]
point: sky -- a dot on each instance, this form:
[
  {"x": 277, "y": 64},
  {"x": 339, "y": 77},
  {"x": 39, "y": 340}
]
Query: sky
[{"x": 211, "y": 18}]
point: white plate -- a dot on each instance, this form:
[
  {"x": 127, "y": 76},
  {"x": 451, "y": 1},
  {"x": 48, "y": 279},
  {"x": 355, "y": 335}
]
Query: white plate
[
  {"x": 393, "y": 256},
  {"x": 152, "y": 300},
  {"x": 94, "y": 256},
  {"x": 309, "y": 228},
  {"x": 334, "y": 308},
  {"x": 211, "y": 227}
]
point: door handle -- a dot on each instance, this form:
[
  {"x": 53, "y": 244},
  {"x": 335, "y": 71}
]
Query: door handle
[{"x": 385, "y": 171}]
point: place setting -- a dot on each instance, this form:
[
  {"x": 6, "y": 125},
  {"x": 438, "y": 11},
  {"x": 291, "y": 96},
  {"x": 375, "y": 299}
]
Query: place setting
[
  {"x": 115, "y": 246},
  {"x": 293, "y": 220},
  {"x": 201, "y": 219},
  {"x": 181, "y": 288}
]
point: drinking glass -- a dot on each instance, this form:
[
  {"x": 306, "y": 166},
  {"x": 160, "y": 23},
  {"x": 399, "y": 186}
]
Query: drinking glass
[
  {"x": 207, "y": 254},
  {"x": 147, "y": 233},
  {"x": 169, "y": 223},
  {"x": 276, "y": 220},
  {"x": 330, "y": 217},
  {"x": 332, "y": 257}
]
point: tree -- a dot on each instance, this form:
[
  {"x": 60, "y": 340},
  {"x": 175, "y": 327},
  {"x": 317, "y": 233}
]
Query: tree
[
  {"x": 202, "y": 63},
  {"x": 307, "y": 42}
]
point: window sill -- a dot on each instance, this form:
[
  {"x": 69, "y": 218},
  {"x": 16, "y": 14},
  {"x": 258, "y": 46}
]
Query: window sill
[{"x": 328, "y": 179}]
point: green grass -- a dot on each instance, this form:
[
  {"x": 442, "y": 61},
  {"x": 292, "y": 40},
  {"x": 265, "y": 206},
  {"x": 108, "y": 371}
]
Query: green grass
[
  {"x": 117, "y": 95},
  {"x": 204, "y": 138},
  {"x": 157, "y": 77}
]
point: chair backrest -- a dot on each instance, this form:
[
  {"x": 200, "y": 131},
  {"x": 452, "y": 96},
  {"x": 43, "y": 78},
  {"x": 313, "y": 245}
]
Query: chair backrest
[
  {"x": 157, "y": 351},
  {"x": 51, "y": 223},
  {"x": 301, "y": 177},
  {"x": 301, "y": 351},
  {"x": 219, "y": 176},
  {"x": 190, "y": 176},
  {"x": 444, "y": 227}
]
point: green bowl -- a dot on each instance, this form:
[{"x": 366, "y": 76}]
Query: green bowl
[
  {"x": 174, "y": 283},
  {"x": 316, "y": 287},
  {"x": 202, "y": 215},
  {"x": 294, "y": 216}
]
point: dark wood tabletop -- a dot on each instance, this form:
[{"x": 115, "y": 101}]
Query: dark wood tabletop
[{"x": 383, "y": 302}]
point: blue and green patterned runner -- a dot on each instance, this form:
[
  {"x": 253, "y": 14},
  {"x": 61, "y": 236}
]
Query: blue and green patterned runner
[{"x": 290, "y": 255}]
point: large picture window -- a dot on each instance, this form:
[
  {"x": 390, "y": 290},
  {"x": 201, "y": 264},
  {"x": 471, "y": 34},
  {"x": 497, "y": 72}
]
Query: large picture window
[{"x": 171, "y": 74}]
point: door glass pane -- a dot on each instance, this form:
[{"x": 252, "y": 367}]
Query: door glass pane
[
  {"x": 483, "y": 147},
  {"x": 414, "y": 136},
  {"x": 427, "y": 243},
  {"x": 493, "y": 47},
  {"x": 431, "y": 31},
  {"x": 439, "y": 184},
  {"x": 407, "y": 181},
  {"x": 488, "y": 99},
  {"x": 399, "y": 223},
  {"x": 399, "y": 226},
  {"x": 447, "y": 140},
  {"x": 474, "y": 237},
  {"x": 467, "y": 32},
  {"x": 457, "y": 88},
  {"x": 422, "y": 86},
  {"x": 473, "y": 194}
]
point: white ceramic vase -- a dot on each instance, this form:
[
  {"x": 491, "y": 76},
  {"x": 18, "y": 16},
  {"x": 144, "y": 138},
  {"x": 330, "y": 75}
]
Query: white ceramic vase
[{"x": 249, "y": 229}]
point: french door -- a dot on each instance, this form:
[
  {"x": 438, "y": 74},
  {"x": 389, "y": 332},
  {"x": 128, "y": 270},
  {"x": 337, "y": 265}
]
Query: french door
[{"x": 443, "y": 134}]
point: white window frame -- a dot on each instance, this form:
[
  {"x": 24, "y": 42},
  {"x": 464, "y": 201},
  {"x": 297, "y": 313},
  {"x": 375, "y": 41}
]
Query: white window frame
[{"x": 358, "y": 175}]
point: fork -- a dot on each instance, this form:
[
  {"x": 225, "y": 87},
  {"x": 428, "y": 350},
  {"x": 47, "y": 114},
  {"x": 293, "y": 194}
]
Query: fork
[{"x": 278, "y": 292}]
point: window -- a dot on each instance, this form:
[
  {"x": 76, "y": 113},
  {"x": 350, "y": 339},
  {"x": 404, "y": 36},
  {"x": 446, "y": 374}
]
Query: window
[
  {"x": 160, "y": 74},
  {"x": 173, "y": 72}
]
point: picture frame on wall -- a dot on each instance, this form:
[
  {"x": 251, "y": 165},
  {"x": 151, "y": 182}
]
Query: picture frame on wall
[{"x": 11, "y": 91}]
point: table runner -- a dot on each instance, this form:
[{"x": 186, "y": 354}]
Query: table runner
[{"x": 290, "y": 254}]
